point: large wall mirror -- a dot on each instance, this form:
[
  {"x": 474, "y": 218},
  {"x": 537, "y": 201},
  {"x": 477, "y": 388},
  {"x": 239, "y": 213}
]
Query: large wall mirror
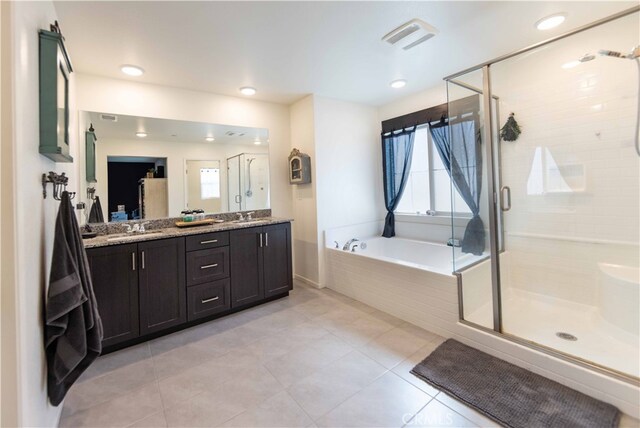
[{"x": 149, "y": 168}]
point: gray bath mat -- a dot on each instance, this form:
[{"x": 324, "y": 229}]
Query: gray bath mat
[{"x": 512, "y": 396}]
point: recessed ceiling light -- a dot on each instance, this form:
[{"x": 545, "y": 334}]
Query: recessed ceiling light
[
  {"x": 247, "y": 90},
  {"x": 551, "y": 21},
  {"x": 257, "y": 142},
  {"x": 210, "y": 139},
  {"x": 132, "y": 70},
  {"x": 571, "y": 64},
  {"x": 397, "y": 84},
  {"x": 141, "y": 134}
]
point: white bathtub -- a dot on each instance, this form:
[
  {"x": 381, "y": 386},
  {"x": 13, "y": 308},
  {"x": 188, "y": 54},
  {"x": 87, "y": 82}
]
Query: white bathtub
[
  {"x": 410, "y": 279},
  {"x": 422, "y": 255}
]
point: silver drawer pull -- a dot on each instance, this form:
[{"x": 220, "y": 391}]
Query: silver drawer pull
[
  {"x": 210, "y": 300},
  {"x": 209, "y": 266},
  {"x": 211, "y": 241}
]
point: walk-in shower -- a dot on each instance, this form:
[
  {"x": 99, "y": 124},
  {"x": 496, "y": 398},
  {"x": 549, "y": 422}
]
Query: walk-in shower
[
  {"x": 248, "y": 181},
  {"x": 560, "y": 204}
]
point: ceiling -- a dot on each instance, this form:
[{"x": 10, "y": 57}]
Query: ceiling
[
  {"x": 290, "y": 49},
  {"x": 175, "y": 131}
]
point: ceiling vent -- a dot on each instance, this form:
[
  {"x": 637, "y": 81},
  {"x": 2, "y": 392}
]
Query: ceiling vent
[
  {"x": 410, "y": 34},
  {"x": 108, "y": 117}
]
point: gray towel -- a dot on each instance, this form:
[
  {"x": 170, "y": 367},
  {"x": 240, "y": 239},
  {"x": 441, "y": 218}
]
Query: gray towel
[
  {"x": 73, "y": 331},
  {"x": 95, "y": 215}
]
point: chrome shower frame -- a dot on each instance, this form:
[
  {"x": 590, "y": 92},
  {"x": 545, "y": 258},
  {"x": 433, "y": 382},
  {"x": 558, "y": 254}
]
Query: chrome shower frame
[{"x": 495, "y": 232}]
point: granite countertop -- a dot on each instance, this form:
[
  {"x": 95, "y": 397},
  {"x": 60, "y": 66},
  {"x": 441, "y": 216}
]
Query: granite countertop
[{"x": 172, "y": 232}]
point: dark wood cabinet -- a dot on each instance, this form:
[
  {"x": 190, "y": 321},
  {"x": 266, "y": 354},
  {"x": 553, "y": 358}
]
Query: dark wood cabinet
[
  {"x": 144, "y": 289},
  {"x": 260, "y": 263},
  {"x": 114, "y": 274},
  {"x": 246, "y": 266},
  {"x": 277, "y": 270},
  {"x": 162, "y": 284}
]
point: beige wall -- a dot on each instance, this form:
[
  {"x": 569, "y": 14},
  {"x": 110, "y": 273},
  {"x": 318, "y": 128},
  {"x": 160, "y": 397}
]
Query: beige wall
[
  {"x": 348, "y": 166},
  {"x": 305, "y": 227},
  {"x": 342, "y": 139},
  {"x": 30, "y": 218},
  {"x": 8, "y": 299}
]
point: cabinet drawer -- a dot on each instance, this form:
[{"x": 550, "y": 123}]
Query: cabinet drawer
[
  {"x": 207, "y": 240},
  {"x": 208, "y": 299},
  {"x": 207, "y": 265}
]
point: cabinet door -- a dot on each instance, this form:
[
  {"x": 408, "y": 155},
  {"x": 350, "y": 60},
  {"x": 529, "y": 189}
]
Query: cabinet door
[
  {"x": 277, "y": 259},
  {"x": 246, "y": 266},
  {"x": 115, "y": 283},
  {"x": 162, "y": 284}
]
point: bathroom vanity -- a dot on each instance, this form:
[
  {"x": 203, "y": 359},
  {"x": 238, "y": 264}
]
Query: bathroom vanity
[{"x": 152, "y": 284}]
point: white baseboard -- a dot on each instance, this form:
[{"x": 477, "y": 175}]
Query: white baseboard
[{"x": 307, "y": 281}]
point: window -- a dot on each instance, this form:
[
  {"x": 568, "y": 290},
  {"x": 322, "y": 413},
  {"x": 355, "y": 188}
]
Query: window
[
  {"x": 209, "y": 183},
  {"x": 429, "y": 186}
]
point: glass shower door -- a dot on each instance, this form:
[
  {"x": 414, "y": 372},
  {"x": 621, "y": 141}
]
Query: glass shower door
[
  {"x": 569, "y": 196},
  {"x": 470, "y": 167}
]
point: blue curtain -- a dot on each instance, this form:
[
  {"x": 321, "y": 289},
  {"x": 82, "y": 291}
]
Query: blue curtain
[
  {"x": 397, "y": 149},
  {"x": 459, "y": 147}
]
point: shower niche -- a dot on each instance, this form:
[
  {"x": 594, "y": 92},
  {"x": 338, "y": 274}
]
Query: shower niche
[{"x": 248, "y": 181}]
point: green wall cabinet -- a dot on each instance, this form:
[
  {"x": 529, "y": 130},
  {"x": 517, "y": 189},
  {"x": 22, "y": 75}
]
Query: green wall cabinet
[{"x": 55, "y": 68}]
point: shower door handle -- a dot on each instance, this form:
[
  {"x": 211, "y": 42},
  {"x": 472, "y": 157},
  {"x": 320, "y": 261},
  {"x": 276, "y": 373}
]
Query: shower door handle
[
  {"x": 505, "y": 190},
  {"x": 238, "y": 199}
]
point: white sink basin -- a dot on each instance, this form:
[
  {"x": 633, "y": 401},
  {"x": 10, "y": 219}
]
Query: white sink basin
[
  {"x": 134, "y": 236},
  {"x": 247, "y": 221}
]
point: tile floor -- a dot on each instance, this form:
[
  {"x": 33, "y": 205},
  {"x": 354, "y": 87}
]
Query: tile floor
[{"x": 315, "y": 358}]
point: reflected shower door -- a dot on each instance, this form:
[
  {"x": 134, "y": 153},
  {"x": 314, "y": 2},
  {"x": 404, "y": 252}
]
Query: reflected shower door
[{"x": 234, "y": 183}]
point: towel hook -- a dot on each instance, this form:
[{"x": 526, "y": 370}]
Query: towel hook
[{"x": 59, "y": 182}]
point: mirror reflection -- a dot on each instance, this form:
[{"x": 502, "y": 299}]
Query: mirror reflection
[{"x": 150, "y": 168}]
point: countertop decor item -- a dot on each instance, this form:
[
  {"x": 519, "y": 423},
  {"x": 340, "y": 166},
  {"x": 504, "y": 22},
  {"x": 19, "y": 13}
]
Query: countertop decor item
[
  {"x": 511, "y": 130},
  {"x": 55, "y": 68},
  {"x": 197, "y": 222}
]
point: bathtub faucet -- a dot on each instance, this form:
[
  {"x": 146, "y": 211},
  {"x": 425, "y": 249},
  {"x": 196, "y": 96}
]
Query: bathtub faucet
[
  {"x": 452, "y": 242},
  {"x": 347, "y": 246}
]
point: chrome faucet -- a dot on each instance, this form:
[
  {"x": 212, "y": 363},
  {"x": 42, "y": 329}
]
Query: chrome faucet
[
  {"x": 142, "y": 225},
  {"x": 452, "y": 242},
  {"x": 132, "y": 229},
  {"x": 248, "y": 215},
  {"x": 347, "y": 246},
  {"x": 240, "y": 216}
]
